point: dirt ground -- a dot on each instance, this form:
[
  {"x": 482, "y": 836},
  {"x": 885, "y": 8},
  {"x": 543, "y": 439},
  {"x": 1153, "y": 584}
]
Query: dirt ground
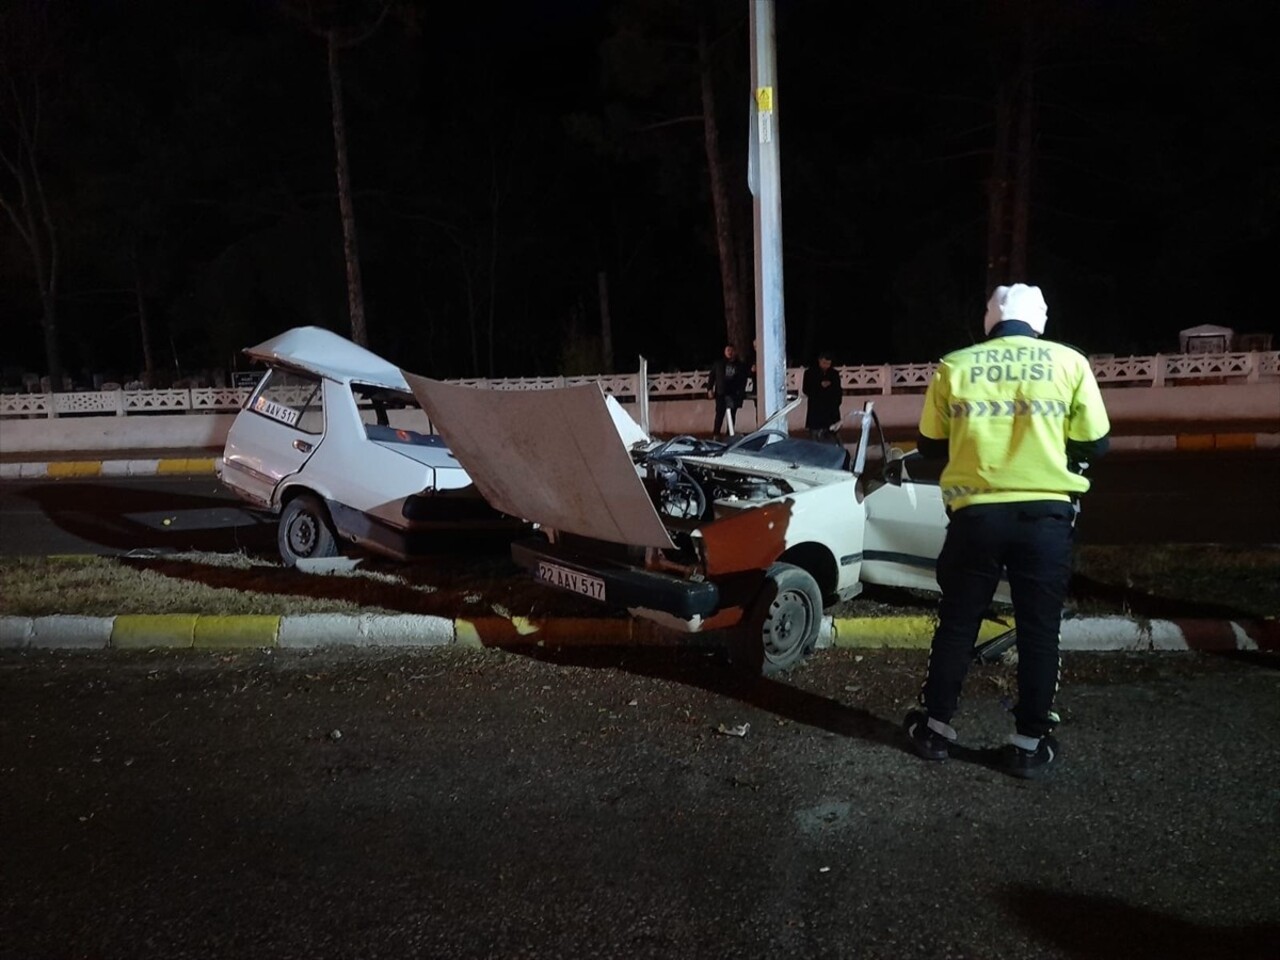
[{"x": 584, "y": 801}]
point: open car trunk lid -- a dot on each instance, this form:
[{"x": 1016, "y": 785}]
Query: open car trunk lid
[
  {"x": 553, "y": 457},
  {"x": 325, "y": 354}
]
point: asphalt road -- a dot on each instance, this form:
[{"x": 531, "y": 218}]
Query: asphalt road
[
  {"x": 1185, "y": 498},
  {"x": 114, "y": 516},
  {"x": 582, "y": 803},
  {"x": 1222, "y": 497}
]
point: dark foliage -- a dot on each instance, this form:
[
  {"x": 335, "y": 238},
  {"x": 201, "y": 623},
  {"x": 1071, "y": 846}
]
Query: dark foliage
[{"x": 503, "y": 154}]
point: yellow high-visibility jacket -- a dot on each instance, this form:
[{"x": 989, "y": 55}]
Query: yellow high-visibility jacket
[{"x": 1008, "y": 407}]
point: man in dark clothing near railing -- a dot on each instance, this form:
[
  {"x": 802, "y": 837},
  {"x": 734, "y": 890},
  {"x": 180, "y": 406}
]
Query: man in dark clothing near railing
[
  {"x": 727, "y": 384},
  {"x": 822, "y": 387}
]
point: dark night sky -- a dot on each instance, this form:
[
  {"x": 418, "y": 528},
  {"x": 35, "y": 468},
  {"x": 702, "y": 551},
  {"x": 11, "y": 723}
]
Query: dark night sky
[{"x": 503, "y": 153}]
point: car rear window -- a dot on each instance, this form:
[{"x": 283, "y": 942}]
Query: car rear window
[
  {"x": 392, "y": 416},
  {"x": 293, "y": 399}
]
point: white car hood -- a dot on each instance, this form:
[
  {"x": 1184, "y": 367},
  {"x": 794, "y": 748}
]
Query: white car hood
[
  {"x": 553, "y": 457},
  {"x": 326, "y": 354}
]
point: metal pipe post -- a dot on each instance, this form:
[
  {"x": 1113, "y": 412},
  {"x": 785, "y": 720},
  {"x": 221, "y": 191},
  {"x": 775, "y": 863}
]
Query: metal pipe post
[{"x": 766, "y": 187}]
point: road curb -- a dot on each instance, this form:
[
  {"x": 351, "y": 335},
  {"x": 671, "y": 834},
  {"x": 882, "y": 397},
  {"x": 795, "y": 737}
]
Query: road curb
[
  {"x": 75, "y": 469},
  {"x": 905, "y": 633},
  {"x": 313, "y": 631}
]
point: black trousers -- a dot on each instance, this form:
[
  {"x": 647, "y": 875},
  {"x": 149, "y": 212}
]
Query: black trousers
[
  {"x": 723, "y": 403},
  {"x": 1032, "y": 542}
]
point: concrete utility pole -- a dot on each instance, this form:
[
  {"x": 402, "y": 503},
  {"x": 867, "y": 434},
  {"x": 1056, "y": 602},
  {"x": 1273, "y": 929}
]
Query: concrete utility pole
[{"x": 764, "y": 176}]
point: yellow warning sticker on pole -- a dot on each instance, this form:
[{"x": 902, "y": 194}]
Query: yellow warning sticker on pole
[{"x": 764, "y": 99}]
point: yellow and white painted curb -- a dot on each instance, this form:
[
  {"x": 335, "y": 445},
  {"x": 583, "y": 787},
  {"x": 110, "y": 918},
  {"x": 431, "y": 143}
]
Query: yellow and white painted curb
[
  {"x": 313, "y": 631},
  {"x": 902, "y": 633},
  {"x": 76, "y": 469}
]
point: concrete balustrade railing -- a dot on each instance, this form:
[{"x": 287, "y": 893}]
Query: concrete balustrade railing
[
  {"x": 1230, "y": 399},
  {"x": 884, "y": 380}
]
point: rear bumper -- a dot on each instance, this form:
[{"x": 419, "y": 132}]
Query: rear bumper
[
  {"x": 418, "y": 536},
  {"x": 456, "y": 511},
  {"x": 624, "y": 585}
]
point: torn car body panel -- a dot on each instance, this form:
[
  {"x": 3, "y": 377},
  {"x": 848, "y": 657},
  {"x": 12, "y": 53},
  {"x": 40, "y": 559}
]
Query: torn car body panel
[
  {"x": 746, "y": 540},
  {"x": 820, "y": 510},
  {"x": 554, "y": 457}
]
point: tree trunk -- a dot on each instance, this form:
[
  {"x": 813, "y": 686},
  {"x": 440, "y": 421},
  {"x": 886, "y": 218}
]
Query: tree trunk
[
  {"x": 494, "y": 203},
  {"x": 998, "y": 196},
  {"x": 44, "y": 258},
  {"x": 350, "y": 246},
  {"x": 473, "y": 324},
  {"x": 1025, "y": 151},
  {"x": 144, "y": 324},
  {"x": 49, "y": 323},
  {"x": 42, "y": 244},
  {"x": 36, "y": 228},
  {"x": 606, "y": 321},
  {"x": 735, "y": 322}
]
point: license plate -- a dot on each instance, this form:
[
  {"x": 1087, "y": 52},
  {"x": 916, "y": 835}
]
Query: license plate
[{"x": 571, "y": 580}]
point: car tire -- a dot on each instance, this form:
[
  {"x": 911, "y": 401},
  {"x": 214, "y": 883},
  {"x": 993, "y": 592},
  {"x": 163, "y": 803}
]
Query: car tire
[
  {"x": 782, "y": 628},
  {"x": 305, "y": 531}
]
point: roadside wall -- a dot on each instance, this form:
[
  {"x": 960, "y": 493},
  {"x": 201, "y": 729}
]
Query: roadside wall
[
  {"x": 1135, "y": 411},
  {"x": 158, "y": 431},
  {"x": 1246, "y": 412}
]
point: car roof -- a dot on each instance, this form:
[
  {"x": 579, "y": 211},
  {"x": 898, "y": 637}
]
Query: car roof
[{"x": 326, "y": 354}]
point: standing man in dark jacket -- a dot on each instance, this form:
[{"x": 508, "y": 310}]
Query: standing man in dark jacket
[
  {"x": 1014, "y": 417},
  {"x": 728, "y": 385},
  {"x": 822, "y": 387}
]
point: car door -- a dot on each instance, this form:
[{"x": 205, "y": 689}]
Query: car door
[
  {"x": 906, "y": 527},
  {"x": 275, "y": 434}
]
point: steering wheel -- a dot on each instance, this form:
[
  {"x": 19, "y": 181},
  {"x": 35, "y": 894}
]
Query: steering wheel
[{"x": 683, "y": 501}]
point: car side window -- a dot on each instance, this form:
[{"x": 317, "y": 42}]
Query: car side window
[{"x": 294, "y": 399}]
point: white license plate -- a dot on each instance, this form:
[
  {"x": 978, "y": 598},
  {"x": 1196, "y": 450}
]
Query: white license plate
[{"x": 571, "y": 580}]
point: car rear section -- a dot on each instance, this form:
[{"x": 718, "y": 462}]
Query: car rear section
[{"x": 274, "y": 436}]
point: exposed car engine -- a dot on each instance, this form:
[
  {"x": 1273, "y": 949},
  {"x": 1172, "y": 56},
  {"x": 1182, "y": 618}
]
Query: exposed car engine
[{"x": 682, "y": 490}]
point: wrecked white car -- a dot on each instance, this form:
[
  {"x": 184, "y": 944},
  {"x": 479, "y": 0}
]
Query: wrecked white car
[
  {"x": 333, "y": 442},
  {"x": 763, "y": 531}
]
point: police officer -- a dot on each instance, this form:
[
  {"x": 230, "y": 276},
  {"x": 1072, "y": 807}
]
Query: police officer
[{"x": 1015, "y": 417}]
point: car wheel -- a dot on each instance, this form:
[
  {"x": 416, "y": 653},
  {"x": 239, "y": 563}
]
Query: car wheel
[
  {"x": 785, "y": 619},
  {"x": 305, "y": 531}
]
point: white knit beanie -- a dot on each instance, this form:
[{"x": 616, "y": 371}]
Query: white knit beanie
[{"x": 1018, "y": 302}]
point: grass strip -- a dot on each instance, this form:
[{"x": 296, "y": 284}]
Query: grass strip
[{"x": 1177, "y": 581}]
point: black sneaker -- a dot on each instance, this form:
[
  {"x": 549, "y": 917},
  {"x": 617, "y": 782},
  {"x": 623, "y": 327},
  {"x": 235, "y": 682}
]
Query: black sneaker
[
  {"x": 1030, "y": 764},
  {"x": 925, "y": 740}
]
